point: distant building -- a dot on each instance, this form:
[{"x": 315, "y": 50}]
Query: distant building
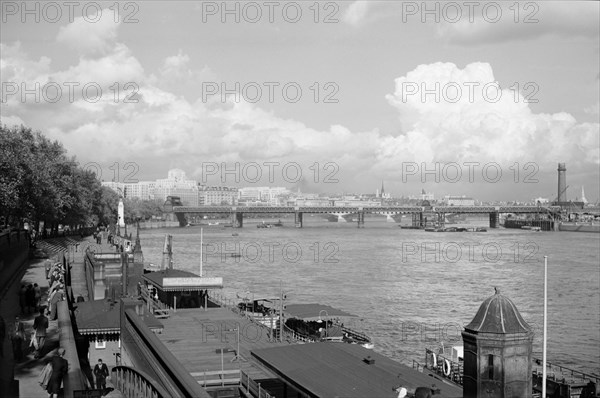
[
  {"x": 317, "y": 202},
  {"x": 211, "y": 196},
  {"x": 450, "y": 200},
  {"x": 423, "y": 196},
  {"x": 274, "y": 196},
  {"x": 176, "y": 184},
  {"x": 541, "y": 201},
  {"x": 143, "y": 190}
]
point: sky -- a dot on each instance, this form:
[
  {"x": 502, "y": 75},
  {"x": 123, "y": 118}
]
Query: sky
[{"x": 482, "y": 99}]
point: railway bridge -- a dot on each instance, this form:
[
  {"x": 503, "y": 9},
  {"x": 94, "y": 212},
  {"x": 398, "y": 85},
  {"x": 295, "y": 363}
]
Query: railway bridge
[{"x": 422, "y": 216}]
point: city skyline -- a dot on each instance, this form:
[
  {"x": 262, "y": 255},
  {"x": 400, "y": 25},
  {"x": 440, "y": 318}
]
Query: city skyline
[
  {"x": 216, "y": 96},
  {"x": 207, "y": 194}
]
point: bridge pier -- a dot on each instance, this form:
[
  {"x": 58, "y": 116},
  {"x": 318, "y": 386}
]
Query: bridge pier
[
  {"x": 495, "y": 220},
  {"x": 361, "y": 219},
  {"x": 237, "y": 219},
  {"x": 298, "y": 219},
  {"x": 442, "y": 219},
  {"x": 417, "y": 220}
]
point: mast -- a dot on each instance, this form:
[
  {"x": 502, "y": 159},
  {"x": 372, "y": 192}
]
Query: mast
[
  {"x": 201, "y": 229},
  {"x": 545, "y": 337}
]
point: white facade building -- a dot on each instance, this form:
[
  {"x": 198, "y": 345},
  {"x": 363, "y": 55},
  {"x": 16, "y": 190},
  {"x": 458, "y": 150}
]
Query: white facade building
[{"x": 459, "y": 200}]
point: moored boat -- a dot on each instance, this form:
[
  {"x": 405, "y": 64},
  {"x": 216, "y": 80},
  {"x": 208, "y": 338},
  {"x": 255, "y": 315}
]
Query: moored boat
[
  {"x": 561, "y": 382},
  {"x": 317, "y": 322}
]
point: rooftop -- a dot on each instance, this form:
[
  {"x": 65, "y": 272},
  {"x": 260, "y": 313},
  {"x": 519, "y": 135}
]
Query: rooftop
[
  {"x": 343, "y": 370},
  {"x": 103, "y": 317},
  {"x": 498, "y": 314},
  {"x": 178, "y": 280}
]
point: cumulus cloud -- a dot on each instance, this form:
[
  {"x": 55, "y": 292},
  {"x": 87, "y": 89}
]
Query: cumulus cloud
[
  {"x": 93, "y": 35},
  {"x": 164, "y": 125},
  {"x": 177, "y": 75},
  {"x": 494, "y": 124}
]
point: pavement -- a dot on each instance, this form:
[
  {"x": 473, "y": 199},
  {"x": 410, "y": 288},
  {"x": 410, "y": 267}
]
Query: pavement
[{"x": 27, "y": 370}]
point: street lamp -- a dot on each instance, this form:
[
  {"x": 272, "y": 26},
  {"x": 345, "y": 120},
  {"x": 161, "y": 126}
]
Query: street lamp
[{"x": 326, "y": 320}]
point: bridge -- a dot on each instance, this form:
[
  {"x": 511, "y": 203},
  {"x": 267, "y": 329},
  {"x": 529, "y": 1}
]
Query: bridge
[{"x": 422, "y": 215}]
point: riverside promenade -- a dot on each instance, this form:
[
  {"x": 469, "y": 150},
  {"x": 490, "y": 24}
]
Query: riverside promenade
[{"x": 26, "y": 371}]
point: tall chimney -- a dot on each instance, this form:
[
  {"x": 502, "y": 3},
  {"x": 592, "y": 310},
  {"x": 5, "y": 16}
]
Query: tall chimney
[{"x": 562, "y": 183}]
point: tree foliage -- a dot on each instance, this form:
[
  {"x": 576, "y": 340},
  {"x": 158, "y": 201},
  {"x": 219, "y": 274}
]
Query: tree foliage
[{"x": 39, "y": 182}]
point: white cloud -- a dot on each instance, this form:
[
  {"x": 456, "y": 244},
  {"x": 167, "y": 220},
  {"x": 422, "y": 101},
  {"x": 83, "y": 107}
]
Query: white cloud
[
  {"x": 90, "y": 38},
  {"x": 479, "y": 129},
  {"x": 16, "y": 66},
  {"x": 165, "y": 125},
  {"x": 593, "y": 110},
  {"x": 356, "y": 12},
  {"x": 177, "y": 76}
]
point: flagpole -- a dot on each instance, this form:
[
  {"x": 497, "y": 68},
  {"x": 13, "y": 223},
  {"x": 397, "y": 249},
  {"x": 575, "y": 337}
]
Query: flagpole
[
  {"x": 545, "y": 337},
  {"x": 201, "y": 229}
]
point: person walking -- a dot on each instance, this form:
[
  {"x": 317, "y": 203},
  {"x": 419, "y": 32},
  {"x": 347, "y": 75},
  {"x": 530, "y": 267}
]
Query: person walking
[
  {"x": 30, "y": 299},
  {"x": 101, "y": 373},
  {"x": 18, "y": 336},
  {"x": 48, "y": 268},
  {"x": 37, "y": 295},
  {"x": 60, "y": 368},
  {"x": 40, "y": 325}
]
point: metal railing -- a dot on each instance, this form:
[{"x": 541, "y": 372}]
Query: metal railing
[
  {"x": 563, "y": 372},
  {"x": 253, "y": 388},
  {"x": 224, "y": 377},
  {"x": 444, "y": 366},
  {"x": 135, "y": 383},
  {"x": 156, "y": 307}
]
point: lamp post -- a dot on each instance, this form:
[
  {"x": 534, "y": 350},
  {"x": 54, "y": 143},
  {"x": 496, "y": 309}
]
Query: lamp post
[
  {"x": 237, "y": 356},
  {"x": 326, "y": 320}
]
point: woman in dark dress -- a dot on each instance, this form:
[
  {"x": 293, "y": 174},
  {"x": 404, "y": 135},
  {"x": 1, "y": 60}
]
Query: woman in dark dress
[{"x": 60, "y": 367}]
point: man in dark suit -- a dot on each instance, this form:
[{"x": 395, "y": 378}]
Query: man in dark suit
[
  {"x": 101, "y": 373},
  {"x": 40, "y": 324},
  {"x": 60, "y": 367}
]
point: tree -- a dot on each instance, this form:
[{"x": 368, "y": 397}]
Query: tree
[{"x": 39, "y": 182}]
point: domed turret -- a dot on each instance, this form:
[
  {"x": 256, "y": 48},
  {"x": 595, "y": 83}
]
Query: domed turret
[
  {"x": 498, "y": 314},
  {"x": 497, "y": 351}
]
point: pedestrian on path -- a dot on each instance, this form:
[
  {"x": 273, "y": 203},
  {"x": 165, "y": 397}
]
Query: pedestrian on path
[
  {"x": 48, "y": 268},
  {"x": 30, "y": 299},
  {"x": 101, "y": 373},
  {"x": 38, "y": 295},
  {"x": 60, "y": 367},
  {"x": 40, "y": 325},
  {"x": 17, "y": 337}
]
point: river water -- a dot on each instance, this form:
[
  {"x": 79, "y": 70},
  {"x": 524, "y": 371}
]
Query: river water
[{"x": 410, "y": 289}]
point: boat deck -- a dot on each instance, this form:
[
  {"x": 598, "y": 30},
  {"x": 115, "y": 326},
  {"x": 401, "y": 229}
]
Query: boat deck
[{"x": 195, "y": 336}]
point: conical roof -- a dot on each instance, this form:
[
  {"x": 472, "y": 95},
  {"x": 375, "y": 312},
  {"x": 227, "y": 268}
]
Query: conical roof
[{"x": 497, "y": 314}]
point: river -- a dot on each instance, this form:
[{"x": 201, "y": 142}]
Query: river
[{"x": 410, "y": 289}]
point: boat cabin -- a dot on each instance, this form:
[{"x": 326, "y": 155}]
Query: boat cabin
[{"x": 178, "y": 289}]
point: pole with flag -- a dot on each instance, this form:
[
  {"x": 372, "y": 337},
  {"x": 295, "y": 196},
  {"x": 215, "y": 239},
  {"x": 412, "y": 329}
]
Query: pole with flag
[{"x": 545, "y": 337}]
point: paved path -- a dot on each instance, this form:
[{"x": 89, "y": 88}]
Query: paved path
[{"x": 27, "y": 370}]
